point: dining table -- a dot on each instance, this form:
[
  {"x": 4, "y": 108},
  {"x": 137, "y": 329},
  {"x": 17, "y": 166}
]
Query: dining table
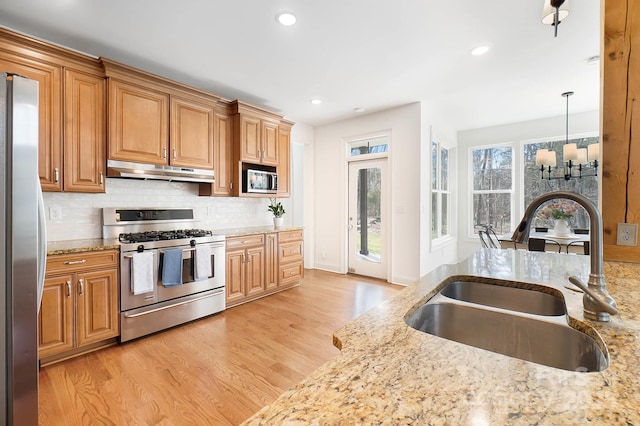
[{"x": 564, "y": 241}]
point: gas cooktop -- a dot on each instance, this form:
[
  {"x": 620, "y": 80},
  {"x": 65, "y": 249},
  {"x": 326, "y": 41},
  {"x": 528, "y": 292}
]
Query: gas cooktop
[{"x": 141, "y": 237}]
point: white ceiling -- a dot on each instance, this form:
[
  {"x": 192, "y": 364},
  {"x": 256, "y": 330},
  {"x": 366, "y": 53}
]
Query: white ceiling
[{"x": 372, "y": 54}]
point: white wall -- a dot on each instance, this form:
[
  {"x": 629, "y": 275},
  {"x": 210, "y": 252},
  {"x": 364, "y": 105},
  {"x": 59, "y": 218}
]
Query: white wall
[
  {"x": 515, "y": 133},
  {"x": 409, "y": 208}
]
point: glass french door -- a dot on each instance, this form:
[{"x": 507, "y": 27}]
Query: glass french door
[{"x": 367, "y": 222}]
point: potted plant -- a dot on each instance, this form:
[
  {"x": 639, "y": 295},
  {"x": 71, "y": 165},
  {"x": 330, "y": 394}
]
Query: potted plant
[{"x": 277, "y": 210}]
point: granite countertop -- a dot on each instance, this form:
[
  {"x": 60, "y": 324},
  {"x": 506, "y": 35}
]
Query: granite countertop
[
  {"x": 240, "y": 232},
  {"x": 390, "y": 373},
  {"x": 81, "y": 246},
  {"x": 97, "y": 244}
]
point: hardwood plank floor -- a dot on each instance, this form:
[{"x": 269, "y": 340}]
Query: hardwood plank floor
[{"x": 215, "y": 371}]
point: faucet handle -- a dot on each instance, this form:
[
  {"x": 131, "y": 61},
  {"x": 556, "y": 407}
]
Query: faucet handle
[{"x": 596, "y": 300}]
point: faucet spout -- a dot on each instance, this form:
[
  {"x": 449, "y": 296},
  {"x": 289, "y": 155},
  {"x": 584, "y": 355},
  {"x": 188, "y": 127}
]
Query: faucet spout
[{"x": 597, "y": 295}]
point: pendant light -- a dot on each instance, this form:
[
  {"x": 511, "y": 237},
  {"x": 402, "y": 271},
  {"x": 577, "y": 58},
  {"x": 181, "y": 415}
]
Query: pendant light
[{"x": 553, "y": 12}]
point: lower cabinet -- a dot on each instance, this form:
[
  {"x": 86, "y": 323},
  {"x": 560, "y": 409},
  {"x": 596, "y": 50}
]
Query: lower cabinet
[
  {"x": 256, "y": 264},
  {"x": 79, "y": 309}
]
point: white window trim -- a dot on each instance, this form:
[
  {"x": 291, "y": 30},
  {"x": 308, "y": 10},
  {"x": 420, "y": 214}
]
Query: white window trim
[
  {"x": 471, "y": 231},
  {"x": 448, "y": 238}
]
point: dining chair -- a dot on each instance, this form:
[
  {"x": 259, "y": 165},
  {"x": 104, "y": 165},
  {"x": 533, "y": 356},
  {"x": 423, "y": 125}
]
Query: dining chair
[
  {"x": 585, "y": 246},
  {"x": 540, "y": 244},
  {"x": 488, "y": 237}
]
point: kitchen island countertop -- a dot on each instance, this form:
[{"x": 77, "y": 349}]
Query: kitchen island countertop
[{"x": 390, "y": 373}]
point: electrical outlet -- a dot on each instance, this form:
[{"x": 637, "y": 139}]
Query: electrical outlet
[
  {"x": 55, "y": 213},
  {"x": 627, "y": 234}
]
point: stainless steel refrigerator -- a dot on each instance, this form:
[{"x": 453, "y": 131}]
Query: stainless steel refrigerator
[{"x": 22, "y": 249}]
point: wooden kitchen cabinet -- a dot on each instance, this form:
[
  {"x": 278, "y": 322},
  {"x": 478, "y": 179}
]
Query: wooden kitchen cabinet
[
  {"x": 85, "y": 132},
  {"x": 290, "y": 257},
  {"x": 245, "y": 271},
  {"x": 153, "y": 120},
  {"x": 222, "y": 154},
  {"x": 71, "y": 104},
  {"x": 262, "y": 264},
  {"x": 255, "y": 134},
  {"x": 49, "y": 78},
  {"x": 79, "y": 310},
  {"x": 284, "y": 161}
]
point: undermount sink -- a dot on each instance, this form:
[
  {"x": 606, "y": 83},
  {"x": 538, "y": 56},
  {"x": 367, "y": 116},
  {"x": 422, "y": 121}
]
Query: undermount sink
[
  {"x": 498, "y": 296},
  {"x": 521, "y": 323}
]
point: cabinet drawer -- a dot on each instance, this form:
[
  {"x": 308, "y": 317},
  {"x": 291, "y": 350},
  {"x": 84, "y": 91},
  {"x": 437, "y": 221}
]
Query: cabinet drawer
[
  {"x": 290, "y": 252},
  {"x": 291, "y": 273},
  {"x": 285, "y": 236},
  {"x": 65, "y": 263},
  {"x": 246, "y": 241}
]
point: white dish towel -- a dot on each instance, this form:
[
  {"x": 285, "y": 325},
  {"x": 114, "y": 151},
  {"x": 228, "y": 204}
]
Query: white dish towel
[
  {"x": 203, "y": 262},
  {"x": 142, "y": 272}
]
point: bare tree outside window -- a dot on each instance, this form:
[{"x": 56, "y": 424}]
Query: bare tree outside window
[{"x": 492, "y": 187}]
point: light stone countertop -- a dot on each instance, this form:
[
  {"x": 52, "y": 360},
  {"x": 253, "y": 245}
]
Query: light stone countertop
[{"x": 390, "y": 373}]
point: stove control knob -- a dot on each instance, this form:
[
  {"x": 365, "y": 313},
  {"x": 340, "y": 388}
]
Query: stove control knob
[
  {"x": 193, "y": 243},
  {"x": 140, "y": 214},
  {"x": 140, "y": 248}
]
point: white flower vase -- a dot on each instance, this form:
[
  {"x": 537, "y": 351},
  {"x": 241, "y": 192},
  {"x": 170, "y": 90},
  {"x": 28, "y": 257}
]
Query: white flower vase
[
  {"x": 278, "y": 221},
  {"x": 561, "y": 228}
]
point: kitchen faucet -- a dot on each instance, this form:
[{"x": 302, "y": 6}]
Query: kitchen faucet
[{"x": 598, "y": 304}]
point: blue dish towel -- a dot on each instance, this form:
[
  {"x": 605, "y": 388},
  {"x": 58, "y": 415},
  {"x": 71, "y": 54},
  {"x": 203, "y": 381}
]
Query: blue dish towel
[{"x": 172, "y": 267}]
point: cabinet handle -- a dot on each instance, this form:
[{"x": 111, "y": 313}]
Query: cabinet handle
[
  {"x": 164, "y": 152},
  {"x": 230, "y": 185},
  {"x": 292, "y": 273},
  {"x": 242, "y": 261},
  {"x": 174, "y": 153},
  {"x": 101, "y": 178},
  {"x": 81, "y": 288},
  {"x": 75, "y": 262},
  {"x": 68, "y": 288},
  {"x": 56, "y": 175}
]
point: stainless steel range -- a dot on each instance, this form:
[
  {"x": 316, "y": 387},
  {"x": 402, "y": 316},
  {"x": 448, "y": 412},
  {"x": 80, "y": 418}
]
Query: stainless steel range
[{"x": 169, "y": 274}]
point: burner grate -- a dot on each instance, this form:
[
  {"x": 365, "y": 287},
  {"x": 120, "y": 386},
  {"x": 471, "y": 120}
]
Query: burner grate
[{"x": 141, "y": 237}]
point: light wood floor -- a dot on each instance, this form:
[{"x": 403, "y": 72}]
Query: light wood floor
[{"x": 215, "y": 371}]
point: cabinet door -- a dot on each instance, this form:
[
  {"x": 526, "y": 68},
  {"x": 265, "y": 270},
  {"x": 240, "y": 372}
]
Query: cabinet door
[
  {"x": 138, "y": 123},
  {"x": 97, "y": 306},
  {"x": 284, "y": 165},
  {"x": 84, "y": 129},
  {"x": 270, "y": 143},
  {"x": 235, "y": 275},
  {"x": 255, "y": 270},
  {"x": 192, "y": 128},
  {"x": 271, "y": 263},
  {"x": 222, "y": 154},
  {"x": 249, "y": 138},
  {"x": 49, "y": 80},
  {"x": 55, "y": 319}
]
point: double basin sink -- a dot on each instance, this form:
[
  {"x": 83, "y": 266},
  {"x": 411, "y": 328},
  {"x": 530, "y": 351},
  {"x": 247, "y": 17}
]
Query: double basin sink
[{"x": 515, "y": 319}]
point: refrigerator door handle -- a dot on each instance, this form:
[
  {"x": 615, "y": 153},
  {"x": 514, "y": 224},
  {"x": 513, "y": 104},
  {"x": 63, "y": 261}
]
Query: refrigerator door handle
[{"x": 42, "y": 244}]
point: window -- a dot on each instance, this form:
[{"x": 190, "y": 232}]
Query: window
[
  {"x": 440, "y": 191},
  {"x": 492, "y": 187},
  {"x": 534, "y": 185},
  {"x": 375, "y": 145}
]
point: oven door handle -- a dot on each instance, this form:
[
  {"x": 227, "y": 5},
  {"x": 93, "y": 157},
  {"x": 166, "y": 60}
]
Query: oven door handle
[
  {"x": 130, "y": 256},
  {"x": 173, "y": 305},
  {"x": 190, "y": 249}
]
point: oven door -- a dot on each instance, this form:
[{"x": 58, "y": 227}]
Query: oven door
[
  {"x": 128, "y": 300},
  {"x": 189, "y": 285}
]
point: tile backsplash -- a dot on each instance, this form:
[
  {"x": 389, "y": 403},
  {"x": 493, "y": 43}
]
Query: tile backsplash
[{"x": 72, "y": 216}]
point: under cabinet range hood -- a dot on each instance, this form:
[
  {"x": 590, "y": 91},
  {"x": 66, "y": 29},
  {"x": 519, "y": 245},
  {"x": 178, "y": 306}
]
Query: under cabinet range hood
[{"x": 125, "y": 169}]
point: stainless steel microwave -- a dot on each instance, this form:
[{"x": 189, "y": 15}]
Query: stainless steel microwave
[{"x": 259, "y": 181}]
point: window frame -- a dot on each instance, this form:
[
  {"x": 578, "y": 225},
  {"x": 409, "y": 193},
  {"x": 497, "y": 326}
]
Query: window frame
[
  {"x": 440, "y": 238},
  {"x": 512, "y": 202}
]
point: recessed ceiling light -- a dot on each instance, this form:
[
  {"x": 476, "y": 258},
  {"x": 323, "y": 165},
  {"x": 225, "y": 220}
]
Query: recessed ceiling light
[
  {"x": 316, "y": 101},
  {"x": 480, "y": 50},
  {"x": 358, "y": 109},
  {"x": 286, "y": 18}
]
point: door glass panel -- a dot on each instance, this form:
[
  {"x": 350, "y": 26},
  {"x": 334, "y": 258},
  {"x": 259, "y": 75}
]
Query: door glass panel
[{"x": 369, "y": 237}]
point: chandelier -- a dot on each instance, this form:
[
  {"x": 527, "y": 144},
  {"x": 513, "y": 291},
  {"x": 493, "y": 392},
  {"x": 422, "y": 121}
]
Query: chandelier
[
  {"x": 576, "y": 160},
  {"x": 553, "y": 12}
]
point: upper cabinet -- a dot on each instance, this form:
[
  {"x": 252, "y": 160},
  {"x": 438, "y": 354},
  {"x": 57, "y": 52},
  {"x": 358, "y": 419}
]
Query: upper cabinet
[
  {"x": 71, "y": 111},
  {"x": 255, "y": 134},
  {"x": 157, "y": 121},
  {"x": 284, "y": 163},
  {"x": 222, "y": 153}
]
